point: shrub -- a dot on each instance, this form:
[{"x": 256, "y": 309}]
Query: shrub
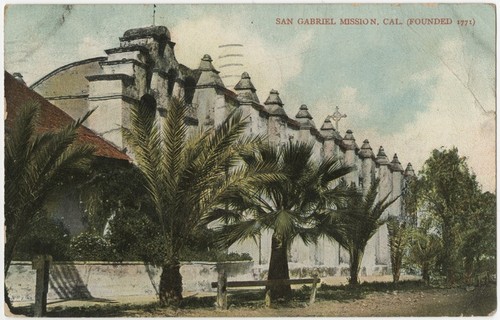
[
  {"x": 90, "y": 247},
  {"x": 48, "y": 237}
]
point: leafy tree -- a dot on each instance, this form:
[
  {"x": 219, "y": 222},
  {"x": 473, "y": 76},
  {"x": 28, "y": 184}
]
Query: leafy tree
[
  {"x": 36, "y": 164},
  {"x": 49, "y": 237},
  {"x": 185, "y": 178},
  {"x": 123, "y": 225},
  {"x": 425, "y": 248},
  {"x": 478, "y": 238},
  {"x": 409, "y": 198},
  {"x": 398, "y": 242},
  {"x": 288, "y": 206},
  {"x": 118, "y": 212},
  {"x": 447, "y": 191},
  {"x": 134, "y": 235},
  {"x": 111, "y": 186},
  {"x": 354, "y": 223}
]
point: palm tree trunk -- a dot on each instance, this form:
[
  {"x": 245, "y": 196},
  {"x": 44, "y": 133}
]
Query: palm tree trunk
[
  {"x": 396, "y": 262},
  {"x": 355, "y": 256},
  {"x": 425, "y": 273},
  {"x": 396, "y": 275},
  {"x": 278, "y": 269},
  {"x": 170, "y": 284}
]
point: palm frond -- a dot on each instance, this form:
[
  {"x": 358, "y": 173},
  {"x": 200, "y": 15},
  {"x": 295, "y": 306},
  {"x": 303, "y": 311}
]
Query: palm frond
[
  {"x": 356, "y": 219},
  {"x": 237, "y": 232},
  {"x": 144, "y": 137},
  {"x": 17, "y": 150},
  {"x": 284, "y": 224},
  {"x": 36, "y": 164}
]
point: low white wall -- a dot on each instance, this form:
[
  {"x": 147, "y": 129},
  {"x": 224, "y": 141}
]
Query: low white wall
[
  {"x": 73, "y": 280},
  {"x": 84, "y": 280}
]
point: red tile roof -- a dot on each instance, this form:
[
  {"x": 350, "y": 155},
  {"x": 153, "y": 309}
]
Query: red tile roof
[{"x": 52, "y": 118}]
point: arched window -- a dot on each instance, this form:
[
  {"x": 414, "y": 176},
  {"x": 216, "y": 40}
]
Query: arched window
[
  {"x": 171, "y": 76},
  {"x": 189, "y": 87},
  {"x": 148, "y": 104}
]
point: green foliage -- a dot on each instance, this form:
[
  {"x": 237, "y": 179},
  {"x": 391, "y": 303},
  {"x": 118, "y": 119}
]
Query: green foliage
[
  {"x": 288, "y": 205},
  {"x": 463, "y": 217},
  {"x": 353, "y": 223},
  {"x": 424, "y": 249},
  {"x": 185, "y": 177},
  {"x": 213, "y": 256},
  {"x": 359, "y": 218},
  {"x": 202, "y": 246},
  {"x": 117, "y": 205},
  {"x": 398, "y": 243},
  {"x": 116, "y": 200},
  {"x": 133, "y": 236},
  {"x": 49, "y": 237},
  {"x": 349, "y": 293},
  {"x": 478, "y": 238},
  {"x": 36, "y": 164},
  {"x": 88, "y": 246},
  {"x": 111, "y": 186},
  {"x": 410, "y": 200},
  {"x": 446, "y": 185}
]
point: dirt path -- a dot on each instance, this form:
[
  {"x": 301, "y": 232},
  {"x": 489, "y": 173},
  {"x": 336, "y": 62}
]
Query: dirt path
[
  {"x": 432, "y": 302},
  {"x": 333, "y": 300}
]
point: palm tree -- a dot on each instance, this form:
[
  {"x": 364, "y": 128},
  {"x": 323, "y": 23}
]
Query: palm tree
[
  {"x": 425, "y": 247},
  {"x": 186, "y": 177},
  {"x": 398, "y": 242},
  {"x": 287, "y": 206},
  {"x": 354, "y": 223},
  {"x": 36, "y": 164}
]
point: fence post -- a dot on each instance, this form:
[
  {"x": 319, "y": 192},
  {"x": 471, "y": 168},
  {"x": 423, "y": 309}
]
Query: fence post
[
  {"x": 268, "y": 298},
  {"x": 314, "y": 289},
  {"x": 222, "y": 290},
  {"x": 42, "y": 265}
]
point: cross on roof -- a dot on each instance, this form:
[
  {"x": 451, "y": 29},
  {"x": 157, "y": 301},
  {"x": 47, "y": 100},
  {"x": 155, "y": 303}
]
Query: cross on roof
[{"x": 337, "y": 116}]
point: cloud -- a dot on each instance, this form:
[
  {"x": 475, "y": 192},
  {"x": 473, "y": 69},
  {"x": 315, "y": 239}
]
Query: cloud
[
  {"x": 458, "y": 109},
  {"x": 450, "y": 117},
  {"x": 271, "y": 65},
  {"x": 453, "y": 118},
  {"x": 348, "y": 100},
  {"x": 91, "y": 47}
]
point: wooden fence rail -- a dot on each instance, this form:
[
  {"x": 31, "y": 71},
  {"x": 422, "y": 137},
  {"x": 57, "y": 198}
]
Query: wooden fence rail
[{"x": 222, "y": 284}]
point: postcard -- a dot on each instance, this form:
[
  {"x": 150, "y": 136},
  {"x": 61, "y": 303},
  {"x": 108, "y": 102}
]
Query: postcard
[{"x": 250, "y": 159}]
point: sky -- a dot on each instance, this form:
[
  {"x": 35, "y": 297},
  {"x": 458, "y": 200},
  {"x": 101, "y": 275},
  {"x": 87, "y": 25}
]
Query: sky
[{"x": 410, "y": 88}]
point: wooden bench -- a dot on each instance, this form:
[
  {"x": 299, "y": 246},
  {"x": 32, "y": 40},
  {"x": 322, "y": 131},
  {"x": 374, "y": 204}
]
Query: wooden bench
[{"x": 222, "y": 284}]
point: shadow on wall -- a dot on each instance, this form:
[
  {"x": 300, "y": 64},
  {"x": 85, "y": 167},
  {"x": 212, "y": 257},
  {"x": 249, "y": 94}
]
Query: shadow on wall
[
  {"x": 67, "y": 283},
  {"x": 153, "y": 276}
]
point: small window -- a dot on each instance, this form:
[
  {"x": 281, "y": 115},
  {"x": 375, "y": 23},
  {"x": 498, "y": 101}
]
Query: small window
[
  {"x": 189, "y": 87},
  {"x": 171, "y": 77},
  {"x": 148, "y": 103}
]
